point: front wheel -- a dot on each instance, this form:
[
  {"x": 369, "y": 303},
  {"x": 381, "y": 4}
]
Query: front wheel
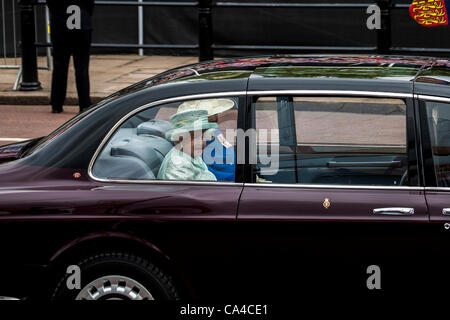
[{"x": 118, "y": 276}]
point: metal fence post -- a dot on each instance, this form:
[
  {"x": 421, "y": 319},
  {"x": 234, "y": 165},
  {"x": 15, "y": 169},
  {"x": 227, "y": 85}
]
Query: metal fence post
[
  {"x": 205, "y": 30},
  {"x": 48, "y": 38},
  {"x": 29, "y": 58},
  {"x": 140, "y": 28},
  {"x": 385, "y": 33}
]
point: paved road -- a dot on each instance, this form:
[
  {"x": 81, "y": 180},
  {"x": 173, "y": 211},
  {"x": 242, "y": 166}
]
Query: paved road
[{"x": 24, "y": 122}]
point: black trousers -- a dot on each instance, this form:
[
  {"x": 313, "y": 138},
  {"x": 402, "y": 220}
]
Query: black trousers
[{"x": 76, "y": 43}]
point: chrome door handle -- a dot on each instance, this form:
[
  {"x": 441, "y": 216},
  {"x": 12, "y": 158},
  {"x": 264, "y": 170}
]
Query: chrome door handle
[
  {"x": 394, "y": 211},
  {"x": 446, "y": 211}
]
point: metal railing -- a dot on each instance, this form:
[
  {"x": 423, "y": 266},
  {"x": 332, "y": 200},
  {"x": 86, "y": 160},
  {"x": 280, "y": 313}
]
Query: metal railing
[
  {"x": 7, "y": 62},
  {"x": 206, "y": 45},
  {"x": 140, "y": 45},
  {"x": 11, "y": 60}
]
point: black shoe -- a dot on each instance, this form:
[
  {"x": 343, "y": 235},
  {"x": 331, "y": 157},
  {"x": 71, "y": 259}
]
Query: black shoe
[
  {"x": 57, "y": 110},
  {"x": 82, "y": 110}
]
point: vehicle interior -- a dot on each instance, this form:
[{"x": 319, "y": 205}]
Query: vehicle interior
[
  {"x": 300, "y": 140},
  {"x": 343, "y": 141},
  {"x": 136, "y": 150},
  {"x": 439, "y": 123}
]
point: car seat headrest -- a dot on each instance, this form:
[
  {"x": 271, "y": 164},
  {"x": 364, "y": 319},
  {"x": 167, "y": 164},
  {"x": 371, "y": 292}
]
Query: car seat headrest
[
  {"x": 109, "y": 167},
  {"x": 154, "y": 128},
  {"x": 150, "y": 149}
]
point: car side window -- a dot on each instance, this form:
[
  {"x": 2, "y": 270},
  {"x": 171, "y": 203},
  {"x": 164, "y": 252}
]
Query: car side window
[
  {"x": 184, "y": 140},
  {"x": 331, "y": 140},
  {"x": 438, "y": 115}
]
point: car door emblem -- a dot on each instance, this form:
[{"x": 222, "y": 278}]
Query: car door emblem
[{"x": 326, "y": 203}]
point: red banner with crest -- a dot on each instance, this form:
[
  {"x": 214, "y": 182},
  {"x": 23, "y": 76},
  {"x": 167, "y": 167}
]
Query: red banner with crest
[{"x": 429, "y": 13}]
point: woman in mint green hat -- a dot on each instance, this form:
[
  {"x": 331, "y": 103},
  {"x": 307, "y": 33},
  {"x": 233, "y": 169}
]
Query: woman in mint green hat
[
  {"x": 218, "y": 153},
  {"x": 184, "y": 161}
]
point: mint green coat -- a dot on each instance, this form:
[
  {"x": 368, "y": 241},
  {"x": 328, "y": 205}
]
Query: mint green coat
[{"x": 178, "y": 165}]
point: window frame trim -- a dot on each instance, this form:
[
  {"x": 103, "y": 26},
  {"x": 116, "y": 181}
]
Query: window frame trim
[
  {"x": 251, "y": 95},
  {"x": 332, "y": 186},
  {"x": 349, "y": 93},
  {"x": 248, "y": 95},
  {"x": 430, "y": 183},
  {"x": 151, "y": 105}
]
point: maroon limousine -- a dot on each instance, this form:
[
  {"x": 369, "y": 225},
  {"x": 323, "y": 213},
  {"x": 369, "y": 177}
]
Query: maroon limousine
[{"x": 331, "y": 165}]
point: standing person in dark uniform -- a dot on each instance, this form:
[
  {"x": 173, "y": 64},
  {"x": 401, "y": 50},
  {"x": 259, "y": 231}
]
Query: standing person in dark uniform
[{"x": 71, "y": 33}]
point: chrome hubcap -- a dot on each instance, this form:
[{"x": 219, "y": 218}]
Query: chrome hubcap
[{"x": 114, "y": 287}]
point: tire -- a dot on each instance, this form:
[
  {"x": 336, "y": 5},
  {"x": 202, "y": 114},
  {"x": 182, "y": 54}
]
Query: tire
[{"x": 118, "y": 276}]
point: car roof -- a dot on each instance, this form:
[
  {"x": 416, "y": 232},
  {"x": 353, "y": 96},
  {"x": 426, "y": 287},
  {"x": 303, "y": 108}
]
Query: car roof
[
  {"x": 357, "y": 66},
  {"x": 398, "y": 72}
]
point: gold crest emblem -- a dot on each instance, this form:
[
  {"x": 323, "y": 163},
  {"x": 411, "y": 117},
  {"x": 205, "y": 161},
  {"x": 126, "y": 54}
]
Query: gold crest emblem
[{"x": 326, "y": 203}]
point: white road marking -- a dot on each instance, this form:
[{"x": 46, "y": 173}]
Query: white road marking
[{"x": 14, "y": 139}]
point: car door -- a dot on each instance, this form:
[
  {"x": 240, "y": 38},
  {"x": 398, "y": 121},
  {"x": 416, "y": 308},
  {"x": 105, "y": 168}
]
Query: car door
[
  {"x": 189, "y": 221},
  {"x": 435, "y": 124},
  {"x": 119, "y": 204},
  {"x": 333, "y": 190}
]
